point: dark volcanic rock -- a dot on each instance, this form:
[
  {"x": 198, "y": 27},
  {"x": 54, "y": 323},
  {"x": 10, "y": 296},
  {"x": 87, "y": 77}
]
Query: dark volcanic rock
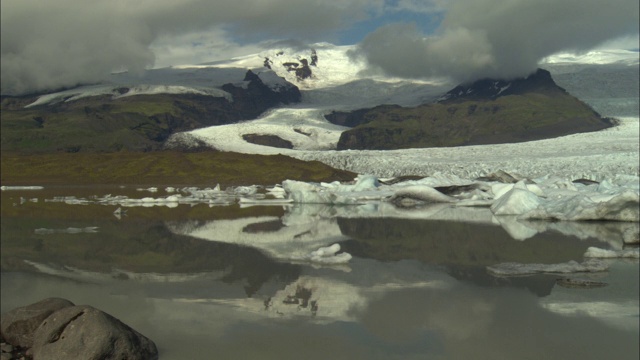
[
  {"x": 302, "y": 69},
  {"x": 356, "y": 117},
  {"x": 84, "y": 332},
  {"x": 257, "y": 96},
  {"x": 19, "y": 324}
]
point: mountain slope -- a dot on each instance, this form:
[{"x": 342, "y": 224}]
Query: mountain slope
[
  {"x": 540, "y": 82},
  {"x": 485, "y": 112},
  {"x": 104, "y": 123}
]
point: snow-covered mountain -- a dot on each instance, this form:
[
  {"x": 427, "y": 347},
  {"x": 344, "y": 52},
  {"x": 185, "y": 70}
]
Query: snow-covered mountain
[
  {"x": 332, "y": 80},
  {"x": 340, "y": 82}
]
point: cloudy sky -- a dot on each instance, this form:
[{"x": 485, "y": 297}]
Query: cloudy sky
[{"x": 52, "y": 44}]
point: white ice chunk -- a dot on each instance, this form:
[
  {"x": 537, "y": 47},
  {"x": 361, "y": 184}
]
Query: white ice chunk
[
  {"x": 69, "y": 230},
  {"x": 366, "y": 182},
  {"x": 622, "y": 207},
  {"x": 326, "y": 251},
  {"x": 341, "y": 258},
  {"x": 246, "y": 190},
  {"x": 4, "y": 187},
  {"x": 594, "y": 252},
  {"x": 499, "y": 189},
  {"x": 327, "y": 255},
  {"x": 515, "y": 202},
  {"x": 422, "y": 193}
]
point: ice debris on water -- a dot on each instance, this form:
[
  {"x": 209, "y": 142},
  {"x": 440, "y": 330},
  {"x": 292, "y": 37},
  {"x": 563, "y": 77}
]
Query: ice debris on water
[
  {"x": 515, "y": 269},
  {"x": 594, "y": 252},
  {"x": 546, "y": 198},
  {"x": 328, "y": 255},
  {"x": 69, "y": 230}
]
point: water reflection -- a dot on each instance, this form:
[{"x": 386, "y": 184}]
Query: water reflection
[{"x": 233, "y": 281}]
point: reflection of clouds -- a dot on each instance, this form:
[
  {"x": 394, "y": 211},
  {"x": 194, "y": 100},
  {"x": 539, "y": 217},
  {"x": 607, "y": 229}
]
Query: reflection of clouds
[
  {"x": 616, "y": 304},
  {"x": 69, "y": 272},
  {"x": 473, "y": 323},
  {"x": 400, "y": 315}
]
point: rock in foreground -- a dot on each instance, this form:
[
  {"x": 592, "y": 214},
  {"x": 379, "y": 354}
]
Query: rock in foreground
[
  {"x": 74, "y": 332},
  {"x": 18, "y": 325}
]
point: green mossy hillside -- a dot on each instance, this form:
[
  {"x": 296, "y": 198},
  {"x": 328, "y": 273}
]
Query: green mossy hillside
[
  {"x": 507, "y": 119},
  {"x": 162, "y": 168}
]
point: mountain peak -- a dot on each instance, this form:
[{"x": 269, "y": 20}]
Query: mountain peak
[{"x": 490, "y": 89}]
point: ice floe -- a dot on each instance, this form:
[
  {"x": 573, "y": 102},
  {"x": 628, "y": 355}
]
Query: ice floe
[
  {"x": 328, "y": 255},
  {"x": 4, "y": 187},
  {"x": 69, "y": 230}
]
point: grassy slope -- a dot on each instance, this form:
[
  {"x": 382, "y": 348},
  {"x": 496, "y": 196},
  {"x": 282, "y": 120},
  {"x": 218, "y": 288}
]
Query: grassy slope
[
  {"x": 162, "y": 168},
  {"x": 103, "y": 124},
  {"x": 512, "y": 118}
]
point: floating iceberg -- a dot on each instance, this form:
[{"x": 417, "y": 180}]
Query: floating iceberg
[{"x": 516, "y": 201}]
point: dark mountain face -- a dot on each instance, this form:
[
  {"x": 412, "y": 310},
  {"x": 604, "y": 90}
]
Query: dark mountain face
[
  {"x": 488, "y": 111},
  {"x": 135, "y": 123},
  {"x": 491, "y": 89}
]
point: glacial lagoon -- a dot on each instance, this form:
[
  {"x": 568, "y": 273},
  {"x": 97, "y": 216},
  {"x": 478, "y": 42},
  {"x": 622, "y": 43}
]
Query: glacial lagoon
[{"x": 226, "y": 280}]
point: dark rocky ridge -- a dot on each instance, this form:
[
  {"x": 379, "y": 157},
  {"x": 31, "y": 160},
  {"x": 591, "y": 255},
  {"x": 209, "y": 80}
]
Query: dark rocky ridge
[
  {"x": 484, "y": 112},
  {"x": 490, "y": 89},
  {"x": 268, "y": 140},
  {"x": 301, "y": 67}
]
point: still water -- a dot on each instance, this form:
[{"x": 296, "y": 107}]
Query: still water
[{"x": 229, "y": 282}]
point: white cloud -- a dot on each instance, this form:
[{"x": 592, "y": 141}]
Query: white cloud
[
  {"x": 198, "y": 47},
  {"x": 50, "y": 44},
  {"x": 497, "y": 38},
  {"x": 418, "y": 6},
  {"x": 53, "y": 44}
]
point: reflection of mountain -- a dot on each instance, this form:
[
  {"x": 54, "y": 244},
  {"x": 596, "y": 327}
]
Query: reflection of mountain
[
  {"x": 290, "y": 241},
  {"x": 454, "y": 243},
  {"x": 137, "y": 250},
  {"x": 611, "y": 232}
]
